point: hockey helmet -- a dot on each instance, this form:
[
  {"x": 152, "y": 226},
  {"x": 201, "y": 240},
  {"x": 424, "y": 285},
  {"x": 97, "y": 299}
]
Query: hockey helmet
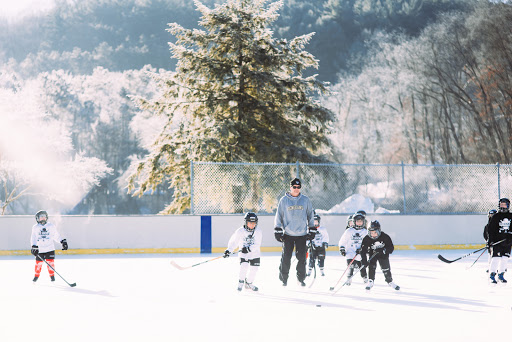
[
  {"x": 350, "y": 221},
  {"x": 362, "y": 212},
  {"x": 40, "y": 215},
  {"x": 357, "y": 217},
  {"x": 491, "y": 213},
  {"x": 317, "y": 220},
  {"x": 250, "y": 217},
  {"x": 505, "y": 208},
  {"x": 374, "y": 227}
]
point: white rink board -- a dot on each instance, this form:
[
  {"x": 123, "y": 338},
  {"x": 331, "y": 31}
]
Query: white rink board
[{"x": 184, "y": 231}]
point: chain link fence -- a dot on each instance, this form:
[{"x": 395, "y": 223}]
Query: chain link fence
[{"x": 228, "y": 188}]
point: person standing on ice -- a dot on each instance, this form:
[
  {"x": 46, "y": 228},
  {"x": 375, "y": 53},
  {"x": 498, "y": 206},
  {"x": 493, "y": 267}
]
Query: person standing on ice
[
  {"x": 499, "y": 229},
  {"x": 318, "y": 247},
  {"x": 294, "y": 225},
  {"x": 350, "y": 246},
  {"x": 377, "y": 246},
  {"x": 42, "y": 239},
  {"x": 490, "y": 214},
  {"x": 248, "y": 239}
]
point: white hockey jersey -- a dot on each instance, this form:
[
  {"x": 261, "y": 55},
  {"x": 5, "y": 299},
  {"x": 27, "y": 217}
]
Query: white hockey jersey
[
  {"x": 44, "y": 237},
  {"x": 320, "y": 237},
  {"x": 242, "y": 238},
  {"x": 351, "y": 240}
]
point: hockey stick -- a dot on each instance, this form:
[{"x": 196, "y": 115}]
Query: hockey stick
[
  {"x": 355, "y": 272},
  {"x": 72, "y": 285},
  {"x": 314, "y": 265},
  {"x": 351, "y": 261},
  {"x": 181, "y": 268},
  {"x": 443, "y": 259},
  {"x": 474, "y": 262}
]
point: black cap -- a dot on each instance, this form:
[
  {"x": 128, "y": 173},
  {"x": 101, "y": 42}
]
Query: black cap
[{"x": 295, "y": 181}]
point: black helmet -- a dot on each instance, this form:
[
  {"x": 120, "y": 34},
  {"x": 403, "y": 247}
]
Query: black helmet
[
  {"x": 39, "y": 214},
  {"x": 250, "y": 217},
  {"x": 502, "y": 209},
  {"x": 374, "y": 226},
  {"x": 491, "y": 213},
  {"x": 316, "y": 217},
  {"x": 359, "y": 216},
  {"x": 362, "y": 212}
]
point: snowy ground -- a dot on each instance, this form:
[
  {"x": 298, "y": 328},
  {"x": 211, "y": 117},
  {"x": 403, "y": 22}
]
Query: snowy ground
[{"x": 144, "y": 298}]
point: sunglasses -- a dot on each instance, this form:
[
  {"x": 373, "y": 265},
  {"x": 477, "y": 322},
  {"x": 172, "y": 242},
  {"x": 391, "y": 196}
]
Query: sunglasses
[{"x": 296, "y": 186}]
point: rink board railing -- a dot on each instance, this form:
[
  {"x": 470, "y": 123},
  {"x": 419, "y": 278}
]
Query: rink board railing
[{"x": 210, "y": 234}]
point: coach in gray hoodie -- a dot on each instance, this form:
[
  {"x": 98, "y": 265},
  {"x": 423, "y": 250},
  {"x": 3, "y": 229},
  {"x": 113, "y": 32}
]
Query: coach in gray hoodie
[{"x": 294, "y": 225}]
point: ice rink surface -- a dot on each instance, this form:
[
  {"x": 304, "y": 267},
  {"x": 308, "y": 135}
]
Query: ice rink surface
[{"x": 144, "y": 298}]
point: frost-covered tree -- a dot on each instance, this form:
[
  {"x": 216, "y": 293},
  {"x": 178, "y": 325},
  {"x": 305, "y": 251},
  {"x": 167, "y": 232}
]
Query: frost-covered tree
[
  {"x": 237, "y": 94},
  {"x": 38, "y": 166}
]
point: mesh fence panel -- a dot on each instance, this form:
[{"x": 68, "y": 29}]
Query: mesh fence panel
[{"x": 225, "y": 188}]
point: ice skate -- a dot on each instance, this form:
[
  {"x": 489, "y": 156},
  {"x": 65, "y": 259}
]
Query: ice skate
[
  {"x": 348, "y": 282},
  {"x": 322, "y": 273},
  {"x": 52, "y": 278},
  {"x": 394, "y": 286},
  {"x": 35, "y": 279},
  {"x": 240, "y": 285},
  {"x": 301, "y": 283},
  {"x": 493, "y": 279},
  {"x": 309, "y": 272},
  {"x": 250, "y": 286},
  {"x": 365, "y": 279},
  {"x": 369, "y": 285},
  {"x": 501, "y": 278},
  {"x": 285, "y": 281}
]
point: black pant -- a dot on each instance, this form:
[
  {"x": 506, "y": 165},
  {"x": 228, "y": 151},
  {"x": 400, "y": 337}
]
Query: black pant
[
  {"x": 356, "y": 264},
  {"x": 318, "y": 252},
  {"x": 384, "y": 266},
  {"x": 289, "y": 242}
]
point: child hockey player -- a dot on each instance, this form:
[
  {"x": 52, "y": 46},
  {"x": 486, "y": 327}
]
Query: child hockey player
[
  {"x": 43, "y": 236},
  {"x": 350, "y": 244},
  {"x": 499, "y": 229},
  {"x": 248, "y": 239},
  {"x": 350, "y": 221},
  {"x": 490, "y": 214},
  {"x": 377, "y": 246},
  {"x": 318, "y": 245}
]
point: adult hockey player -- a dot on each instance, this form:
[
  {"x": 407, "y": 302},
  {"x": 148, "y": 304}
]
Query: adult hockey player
[
  {"x": 318, "y": 246},
  {"x": 350, "y": 246},
  {"x": 294, "y": 225},
  {"x": 378, "y": 245},
  {"x": 42, "y": 239},
  {"x": 248, "y": 239},
  {"x": 499, "y": 229}
]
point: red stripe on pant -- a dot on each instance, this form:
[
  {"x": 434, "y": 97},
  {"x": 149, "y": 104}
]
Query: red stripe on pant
[{"x": 39, "y": 265}]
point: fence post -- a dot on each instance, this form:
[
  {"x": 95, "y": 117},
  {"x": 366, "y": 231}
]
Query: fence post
[
  {"x": 192, "y": 187},
  {"x": 403, "y": 187},
  {"x": 297, "y": 169},
  {"x": 499, "y": 189}
]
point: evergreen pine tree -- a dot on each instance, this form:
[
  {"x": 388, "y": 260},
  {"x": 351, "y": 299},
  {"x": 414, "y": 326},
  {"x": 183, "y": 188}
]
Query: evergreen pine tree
[{"x": 237, "y": 95}]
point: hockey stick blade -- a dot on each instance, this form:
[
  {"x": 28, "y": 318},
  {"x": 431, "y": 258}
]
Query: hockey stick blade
[
  {"x": 72, "y": 285},
  {"x": 178, "y": 266},
  {"x": 443, "y": 259}
]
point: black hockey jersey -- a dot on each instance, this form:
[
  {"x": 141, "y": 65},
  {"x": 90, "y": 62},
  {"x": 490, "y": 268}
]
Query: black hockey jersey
[
  {"x": 499, "y": 227},
  {"x": 369, "y": 246}
]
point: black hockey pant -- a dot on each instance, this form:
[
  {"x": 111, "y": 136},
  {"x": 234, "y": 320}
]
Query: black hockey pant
[
  {"x": 289, "y": 242},
  {"x": 384, "y": 266},
  {"x": 356, "y": 264},
  {"x": 314, "y": 253}
]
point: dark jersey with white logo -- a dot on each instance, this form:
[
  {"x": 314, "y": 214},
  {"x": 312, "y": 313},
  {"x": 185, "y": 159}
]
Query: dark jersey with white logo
[
  {"x": 369, "y": 246},
  {"x": 499, "y": 227}
]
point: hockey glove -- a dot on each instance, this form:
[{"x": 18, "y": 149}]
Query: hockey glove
[
  {"x": 34, "y": 250},
  {"x": 227, "y": 253},
  {"x": 312, "y": 232},
  {"x": 342, "y": 251},
  {"x": 325, "y": 245},
  {"x": 358, "y": 251},
  {"x": 246, "y": 250},
  {"x": 279, "y": 234},
  {"x": 64, "y": 245}
]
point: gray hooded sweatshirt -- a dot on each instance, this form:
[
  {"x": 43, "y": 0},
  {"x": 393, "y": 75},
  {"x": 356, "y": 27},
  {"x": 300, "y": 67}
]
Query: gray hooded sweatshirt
[{"x": 294, "y": 215}]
